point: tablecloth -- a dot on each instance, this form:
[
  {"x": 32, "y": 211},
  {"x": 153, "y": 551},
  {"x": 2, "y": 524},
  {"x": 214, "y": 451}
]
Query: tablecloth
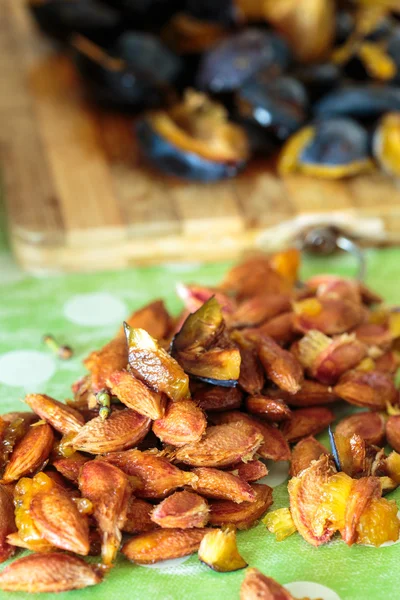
[{"x": 84, "y": 310}]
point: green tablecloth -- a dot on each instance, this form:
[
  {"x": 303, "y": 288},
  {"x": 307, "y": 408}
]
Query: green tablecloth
[{"x": 84, "y": 311}]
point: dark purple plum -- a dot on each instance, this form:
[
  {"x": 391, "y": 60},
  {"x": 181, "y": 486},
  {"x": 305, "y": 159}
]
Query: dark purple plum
[
  {"x": 277, "y": 104},
  {"x": 232, "y": 61},
  {"x": 393, "y": 49},
  {"x": 62, "y": 18},
  {"x": 137, "y": 73},
  {"x": 359, "y": 101},
  {"x": 148, "y": 56},
  {"x": 216, "y": 11},
  {"x": 148, "y": 14},
  {"x": 337, "y": 143},
  {"x": 318, "y": 79}
]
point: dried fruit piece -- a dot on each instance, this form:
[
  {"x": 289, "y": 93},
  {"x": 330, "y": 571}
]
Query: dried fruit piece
[
  {"x": 183, "y": 423},
  {"x": 258, "y": 309},
  {"x": 387, "y": 484},
  {"x": 217, "y": 398},
  {"x": 123, "y": 429},
  {"x": 30, "y": 453},
  {"x": 157, "y": 476},
  {"x": 332, "y": 286},
  {"x": 272, "y": 409},
  {"x": 10, "y": 434},
  {"x": 29, "y": 535},
  {"x": 252, "y": 376},
  {"x": 28, "y": 417},
  {"x": 280, "y": 328},
  {"x": 370, "y": 426},
  {"x": 203, "y": 349},
  {"x": 70, "y": 466},
  {"x": 108, "y": 489},
  {"x": 392, "y": 466},
  {"x": 311, "y": 393},
  {"x": 394, "y": 323},
  {"x": 280, "y": 523},
  {"x": 219, "y": 365},
  {"x": 274, "y": 446},
  {"x": 257, "y": 586},
  {"x": 153, "y": 318},
  {"x": 138, "y": 516},
  {"x": 153, "y": 365},
  {"x": 253, "y": 277},
  {"x": 355, "y": 458},
  {"x": 287, "y": 263},
  {"x": 163, "y": 544},
  {"x": 379, "y": 523},
  {"x": 201, "y": 328},
  {"x": 333, "y": 501},
  {"x": 362, "y": 493},
  {"x": 7, "y": 523},
  {"x": 373, "y": 334},
  {"x": 213, "y": 483},
  {"x": 252, "y": 471},
  {"x": 280, "y": 365},
  {"x": 388, "y": 362},
  {"x": 393, "y": 432},
  {"x": 307, "y": 421},
  {"x": 328, "y": 315},
  {"x": 219, "y": 551},
  {"x": 182, "y": 510},
  {"x": 38, "y": 573},
  {"x": 327, "y": 359},
  {"x": 222, "y": 445},
  {"x": 194, "y": 296},
  {"x": 102, "y": 363},
  {"x": 374, "y": 390},
  {"x": 244, "y": 515},
  {"x": 304, "y": 452},
  {"x": 61, "y": 416},
  {"x": 59, "y": 522},
  {"x": 305, "y": 492},
  {"x": 136, "y": 395}
]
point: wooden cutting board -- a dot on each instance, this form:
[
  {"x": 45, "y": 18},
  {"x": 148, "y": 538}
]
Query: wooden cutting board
[{"x": 79, "y": 196}]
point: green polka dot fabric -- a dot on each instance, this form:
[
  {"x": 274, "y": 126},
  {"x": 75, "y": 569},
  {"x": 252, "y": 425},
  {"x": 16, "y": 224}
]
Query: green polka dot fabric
[{"x": 84, "y": 311}]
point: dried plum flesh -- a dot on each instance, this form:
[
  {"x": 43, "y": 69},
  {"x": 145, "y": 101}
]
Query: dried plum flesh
[{"x": 194, "y": 141}]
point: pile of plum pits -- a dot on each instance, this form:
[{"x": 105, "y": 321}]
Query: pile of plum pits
[
  {"x": 214, "y": 83},
  {"x": 162, "y": 451}
]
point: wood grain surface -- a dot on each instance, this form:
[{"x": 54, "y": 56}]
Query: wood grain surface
[{"x": 79, "y": 196}]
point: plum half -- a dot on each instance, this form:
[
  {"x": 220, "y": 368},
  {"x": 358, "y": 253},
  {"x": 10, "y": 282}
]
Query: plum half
[{"x": 194, "y": 140}]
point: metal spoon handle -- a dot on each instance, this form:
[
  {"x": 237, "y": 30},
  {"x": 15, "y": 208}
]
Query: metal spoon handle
[{"x": 327, "y": 240}]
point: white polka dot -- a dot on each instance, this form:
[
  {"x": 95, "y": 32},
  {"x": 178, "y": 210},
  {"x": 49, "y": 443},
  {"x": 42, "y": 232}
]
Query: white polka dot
[
  {"x": 182, "y": 267},
  {"x": 312, "y": 590},
  {"x": 278, "y": 472},
  {"x": 26, "y": 368},
  {"x": 99, "y": 308},
  {"x": 168, "y": 564}
]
